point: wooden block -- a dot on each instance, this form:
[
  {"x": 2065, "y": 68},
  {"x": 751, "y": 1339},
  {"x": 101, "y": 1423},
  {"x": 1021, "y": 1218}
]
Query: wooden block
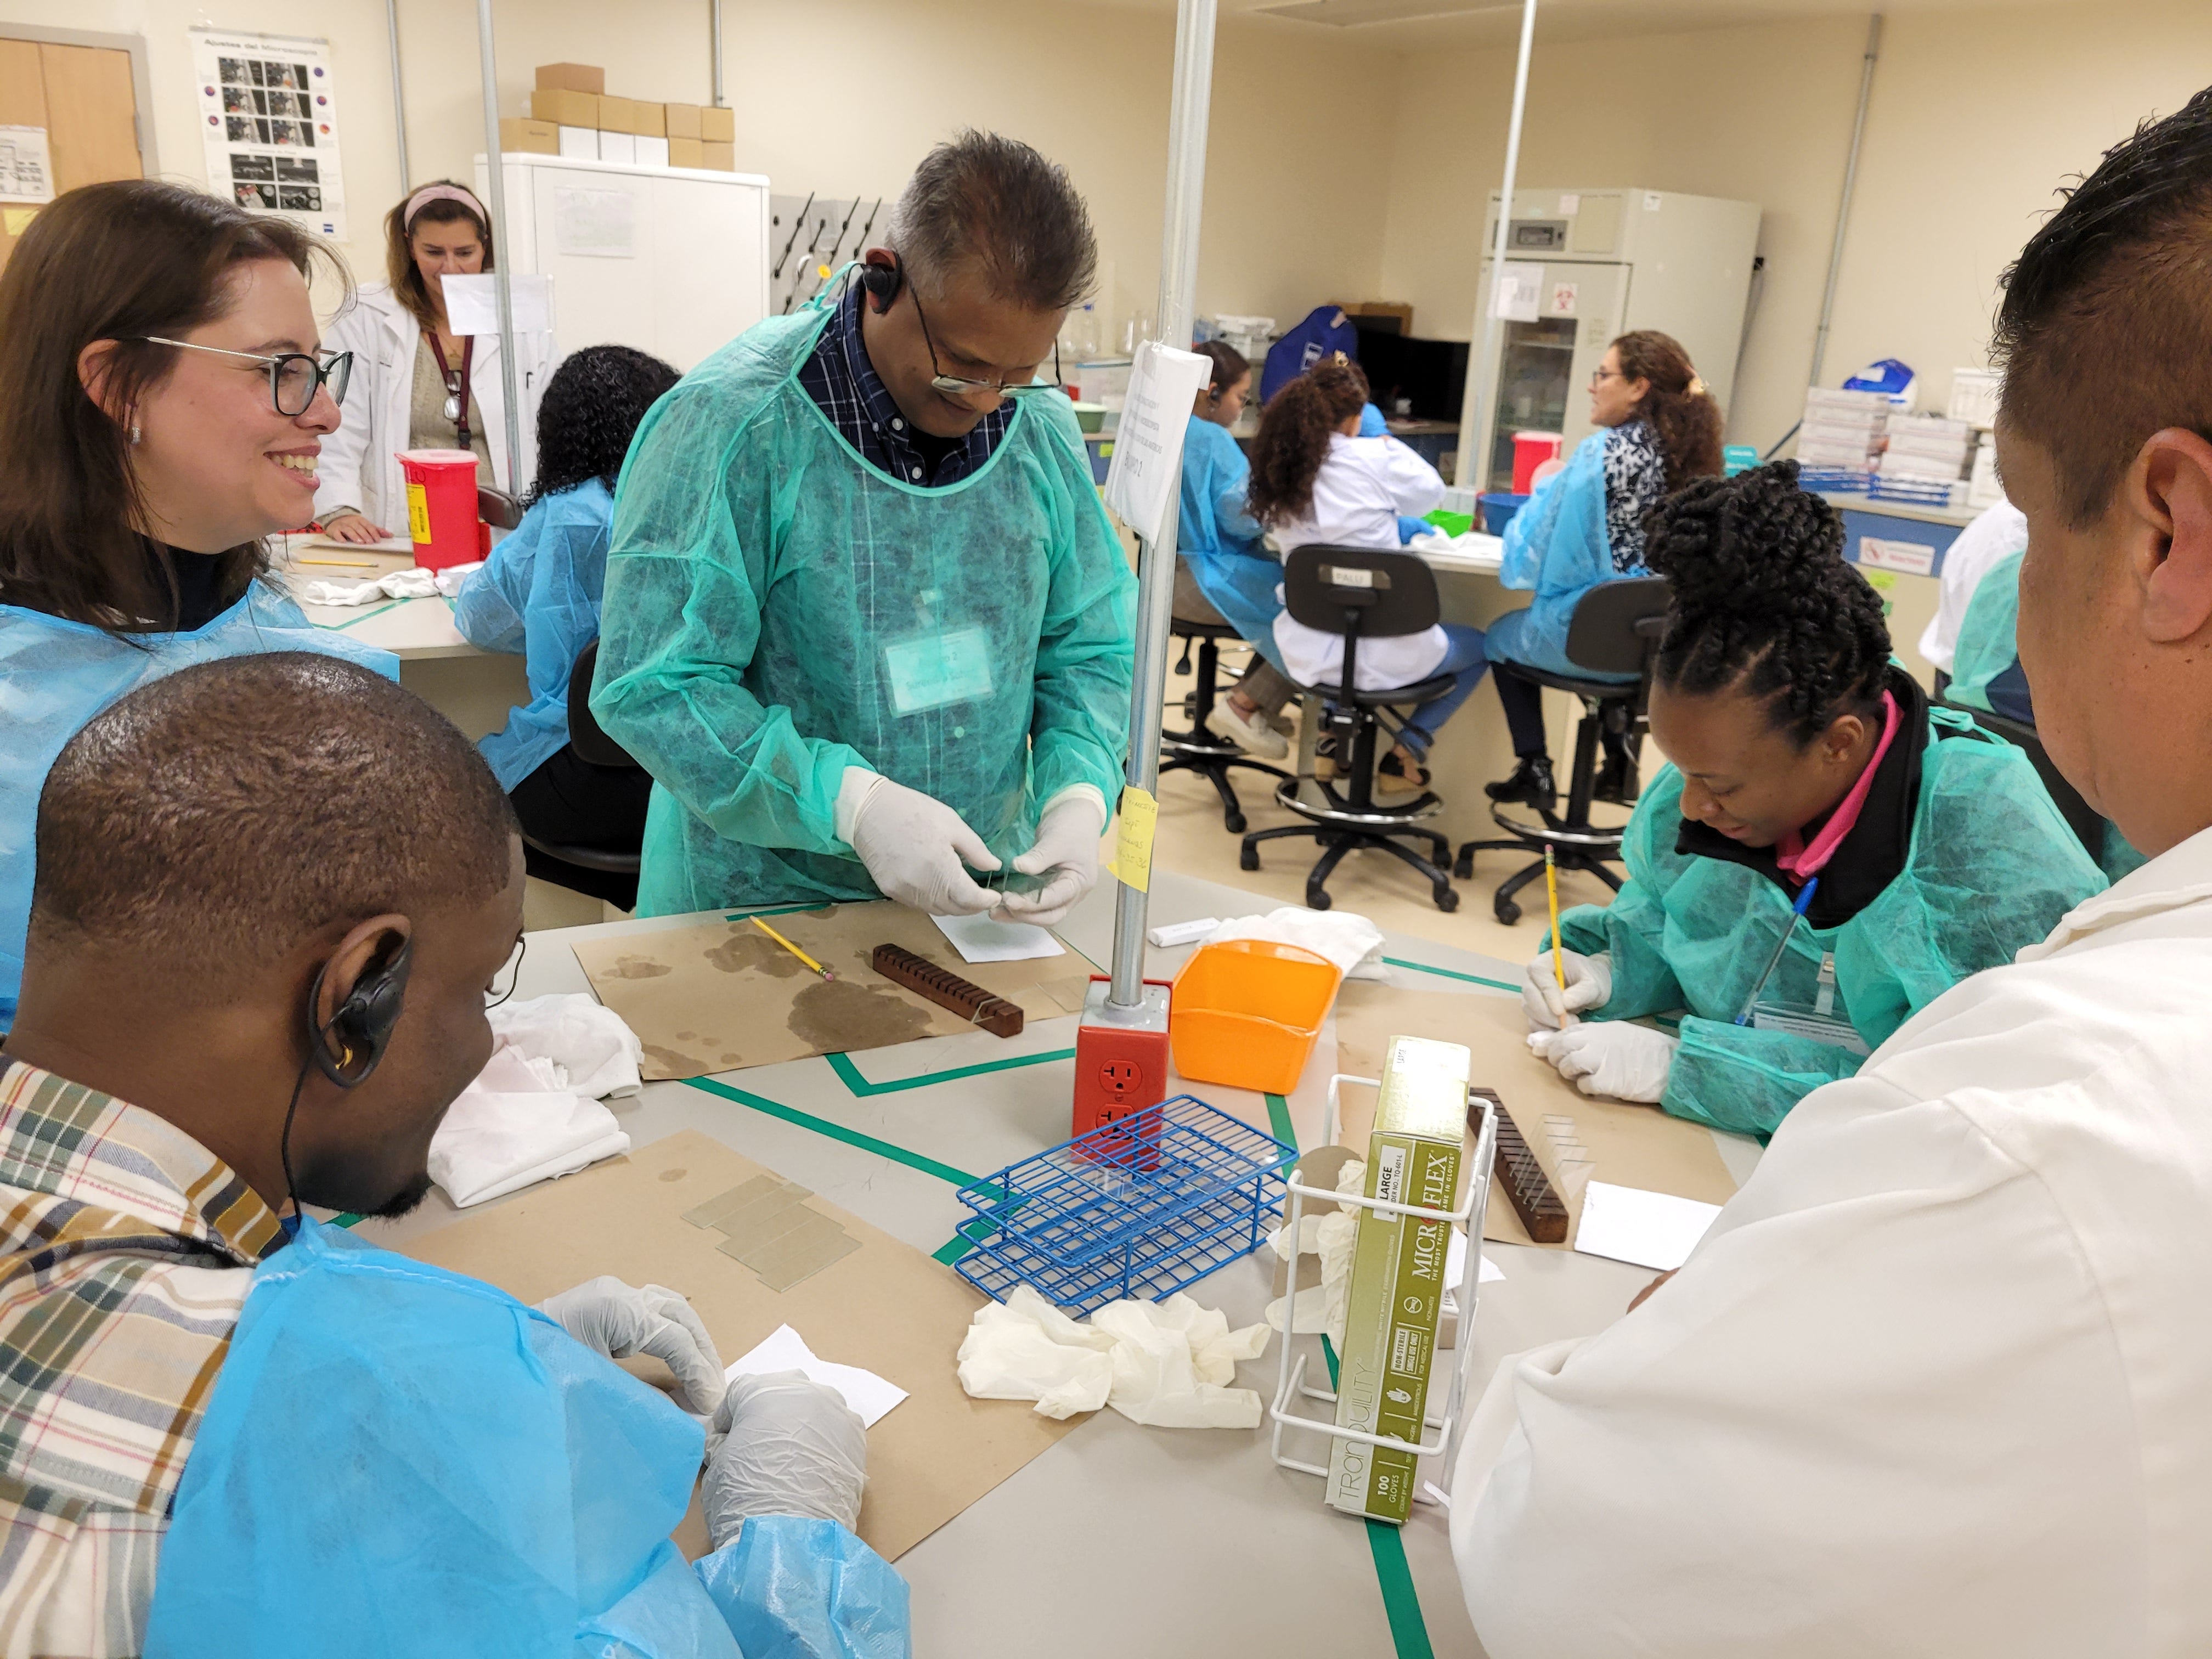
[
  {"x": 1535, "y": 1200},
  {"x": 945, "y": 989},
  {"x": 572, "y": 77},
  {"x": 683, "y": 120},
  {"x": 717, "y": 126},
  {"x": 564, "y": 106},
  {"x": 721, "y": 158},
  {"x": 529, "y": 138}
]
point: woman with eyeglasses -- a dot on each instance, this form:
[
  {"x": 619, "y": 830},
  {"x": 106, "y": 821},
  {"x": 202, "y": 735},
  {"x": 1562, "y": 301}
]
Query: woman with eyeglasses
[
  {"x": 420, "y": 384},
  {"x": 164, "y": 405},
  {"x": 1658, "y": 429}
]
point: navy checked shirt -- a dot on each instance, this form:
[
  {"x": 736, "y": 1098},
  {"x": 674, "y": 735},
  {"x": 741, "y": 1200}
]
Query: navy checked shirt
[{"x": 843, "y": 383}]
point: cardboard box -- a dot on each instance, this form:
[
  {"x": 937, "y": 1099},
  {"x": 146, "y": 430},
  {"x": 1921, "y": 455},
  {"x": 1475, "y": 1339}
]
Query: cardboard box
[
  {"x": 529, "y": 138},
  {"x": 1398, "y": 1276},
  {"x": 721, "y": 158},
  {"x": 565, "y": 106},
  {"x": 617, "y": 115},
  {"x": 618, "y": 147},
  {"x": 579, "y": 144},
  {"x": 717, "y": 126},
  {"x": 683, "y": 120},
  {"x": 572, "y": 77},
  {"x": 686, "y": 153},
  {"x": 652, "y": 152},
  {"x": 651, "y": 120}
]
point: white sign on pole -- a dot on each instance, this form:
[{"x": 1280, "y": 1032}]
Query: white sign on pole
[
  {"x": 1147, "y": 469},
  {"x": 26, "y": 170},
  {"x": 1515, "y": 297},
  {"x": 269, "y": 121}
]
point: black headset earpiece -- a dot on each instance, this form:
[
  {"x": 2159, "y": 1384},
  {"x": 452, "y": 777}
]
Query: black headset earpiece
[
  {"x": 881, "y": 282},
  {"x": 347, "y": 1048}
]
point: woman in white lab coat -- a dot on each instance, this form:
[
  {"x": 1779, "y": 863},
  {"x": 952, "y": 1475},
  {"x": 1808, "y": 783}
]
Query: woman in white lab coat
[{"x": 418, "y": 385}]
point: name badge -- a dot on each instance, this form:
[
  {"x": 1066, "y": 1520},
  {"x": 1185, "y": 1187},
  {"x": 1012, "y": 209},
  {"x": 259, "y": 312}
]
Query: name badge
[{"x": 932, "y": 670}]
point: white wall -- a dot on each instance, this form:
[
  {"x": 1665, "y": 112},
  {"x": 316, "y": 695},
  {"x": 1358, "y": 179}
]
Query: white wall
[
  {"x": 1976, "y": 118},
  {"x": 843, "y": 97}
]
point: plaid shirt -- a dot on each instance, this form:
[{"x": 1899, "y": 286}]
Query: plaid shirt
[
  {"x": 126, "y": 1250},
  {"x": 843, "y": 383}
]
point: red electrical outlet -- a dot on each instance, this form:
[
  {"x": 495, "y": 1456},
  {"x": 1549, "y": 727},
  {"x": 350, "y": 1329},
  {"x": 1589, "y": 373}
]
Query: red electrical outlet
[{"x": 1120, "y": 1055}]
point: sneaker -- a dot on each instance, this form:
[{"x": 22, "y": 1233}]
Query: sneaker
[
  {"x": 1394, "y": 779},
  {"x": 1531, "y": 785},
  {"x": 1249, "y": 732}
]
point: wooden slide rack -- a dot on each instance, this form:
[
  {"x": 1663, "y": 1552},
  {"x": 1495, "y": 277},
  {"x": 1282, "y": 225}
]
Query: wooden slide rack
[
  {"x": 1531, "y": 1190},
  {"x": 941, "y": 986}
]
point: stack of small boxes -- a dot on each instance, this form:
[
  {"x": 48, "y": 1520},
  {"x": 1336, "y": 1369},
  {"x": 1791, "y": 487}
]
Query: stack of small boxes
[
  {"x": 1840, "y": 443},
  {"x": 1924, "y": 460},
  {"x": 572, "y": 115},
  {"x": 1974, "y": 400}
]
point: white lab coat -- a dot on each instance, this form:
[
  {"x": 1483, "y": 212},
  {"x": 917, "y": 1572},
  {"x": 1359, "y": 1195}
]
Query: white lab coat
[
  {"x": 1362, "y": 486},
  {"x": 1995, "y": 536},
  {"x": 358, "y": 468},
  {"x": 1939, "y": 1380}
]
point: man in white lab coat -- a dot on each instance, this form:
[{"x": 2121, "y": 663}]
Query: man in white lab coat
[{"x": 1938, "y": 1380}]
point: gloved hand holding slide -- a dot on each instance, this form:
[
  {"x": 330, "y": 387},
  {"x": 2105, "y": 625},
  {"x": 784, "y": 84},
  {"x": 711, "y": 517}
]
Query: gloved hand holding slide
[
  {"x": 1611, "y": 1057},
  {"x": 913, "y": 845}
]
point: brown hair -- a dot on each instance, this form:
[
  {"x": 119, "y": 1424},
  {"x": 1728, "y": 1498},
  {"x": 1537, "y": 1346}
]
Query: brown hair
[
  {"x": 1229, "y": 364},
  {"x": 1294, "y": 433},
  {"x": 407, "y": 285},
  {"x": 112, "y": 261},
  {"x": 1679, "y": 408}
]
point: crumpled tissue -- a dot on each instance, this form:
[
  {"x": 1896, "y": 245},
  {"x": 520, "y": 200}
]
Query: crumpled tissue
[
  {"x": 1163, "y": 1364},
  {"x": 408, "y": 582},
  {"x": 595, "y": 1049},
  {"x": 518, "y": 1124},
  {"x": 1351, "y": 942},
  {"x": 1321, "y": 1308}
]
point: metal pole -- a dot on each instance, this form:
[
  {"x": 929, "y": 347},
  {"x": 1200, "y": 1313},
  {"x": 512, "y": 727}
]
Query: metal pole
[
  {"x": 714, "y": 34},
  {"x": 1187, "y": 119},
  {"x": 1844, "y": 207},
  {"x": 398, "y": 93},
  {"x": 496, "y": 172},
  {"x": 1478, "y": 405}
]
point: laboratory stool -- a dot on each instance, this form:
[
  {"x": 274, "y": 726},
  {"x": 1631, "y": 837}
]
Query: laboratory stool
[
  {"x": 594, "y": 745},
  {"x": 1616, "y": 630},
  {"x": 1197, "y": 750},
  {"x": 2081, "y": 817},
  {"x": 1362, "y": 593}
]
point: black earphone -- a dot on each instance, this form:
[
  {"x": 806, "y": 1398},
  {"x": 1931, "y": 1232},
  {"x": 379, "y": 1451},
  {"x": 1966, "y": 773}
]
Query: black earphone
[
  {"x": 881, "y": 282},
  {"x": 346, "y": 1047}
]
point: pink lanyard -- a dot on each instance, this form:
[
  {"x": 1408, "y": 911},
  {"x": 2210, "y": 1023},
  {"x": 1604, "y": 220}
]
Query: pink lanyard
[{"x": 1798, "y": 861}]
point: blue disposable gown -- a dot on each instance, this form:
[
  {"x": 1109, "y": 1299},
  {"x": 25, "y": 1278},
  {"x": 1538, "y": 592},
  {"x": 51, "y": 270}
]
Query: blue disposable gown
[
  {"x": 538, "y": 596},
  {"x": 1219, "y": 539},
  {"x": 1992, "y": 868},
  {"x": 777, "y": 610},
  {"x": 57, "y": 675},
  {"x": 396, "y": 1460},
  {"x": 1557, "y": 545}
]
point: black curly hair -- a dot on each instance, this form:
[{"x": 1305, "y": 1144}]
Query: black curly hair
[
  {"x": 590, "y": 412},
  {"x": 1763, "y": 602}
]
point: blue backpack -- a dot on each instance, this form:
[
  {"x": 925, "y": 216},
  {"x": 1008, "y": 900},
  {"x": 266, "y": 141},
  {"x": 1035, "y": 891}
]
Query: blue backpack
[{"x": 1326, "y": 329}]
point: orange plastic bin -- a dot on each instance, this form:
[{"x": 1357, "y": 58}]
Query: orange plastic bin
[{"x": 1246, "y": 1012}]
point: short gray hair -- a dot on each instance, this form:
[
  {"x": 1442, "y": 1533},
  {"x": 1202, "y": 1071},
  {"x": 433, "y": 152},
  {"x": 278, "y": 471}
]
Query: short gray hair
[{"x": 995, "y": 202}]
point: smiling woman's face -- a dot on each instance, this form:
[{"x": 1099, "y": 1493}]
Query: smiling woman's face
[{"x": 217, "y": 465}]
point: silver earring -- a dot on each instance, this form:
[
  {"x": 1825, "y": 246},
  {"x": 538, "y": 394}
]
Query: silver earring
[{"x": 136, "y": 433}]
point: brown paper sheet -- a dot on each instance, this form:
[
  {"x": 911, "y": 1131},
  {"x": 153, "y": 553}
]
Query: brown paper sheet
[
  {"x": 883, "y": 1305},
  {"x": 723, "y": 995},
  {"x": 1627, "y": 1146}
]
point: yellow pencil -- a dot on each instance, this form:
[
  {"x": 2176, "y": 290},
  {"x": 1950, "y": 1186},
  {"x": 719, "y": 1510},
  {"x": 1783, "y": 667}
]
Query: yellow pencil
[
  {"x": 1551, "y": 893},
  {"x": 793, "y": 948},
  {"x": 342, "y": 564}
]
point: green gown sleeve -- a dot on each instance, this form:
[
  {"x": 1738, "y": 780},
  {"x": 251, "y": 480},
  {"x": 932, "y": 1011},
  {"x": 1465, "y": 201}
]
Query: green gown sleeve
[
  {"x": 1079, "y": 732},
  {"x": 1632, "y": 929},
  {"x": 686, "y": 576},
  {"x": 1733, "y": 1077}
]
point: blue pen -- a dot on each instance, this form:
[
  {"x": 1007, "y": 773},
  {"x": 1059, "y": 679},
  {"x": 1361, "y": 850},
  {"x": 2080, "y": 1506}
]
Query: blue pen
[{"x": 1781, "y": 944}]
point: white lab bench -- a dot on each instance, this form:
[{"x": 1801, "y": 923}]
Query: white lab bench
[{"x": 1119, "y": 1539}]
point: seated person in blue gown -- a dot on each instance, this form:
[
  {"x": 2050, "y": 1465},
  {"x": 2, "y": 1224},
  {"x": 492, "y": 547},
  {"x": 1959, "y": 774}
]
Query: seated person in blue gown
[
  {"x": 1657, "y": 429},
  {"x": 539, "y": 595},
  {"x": 271, "y": 894}
]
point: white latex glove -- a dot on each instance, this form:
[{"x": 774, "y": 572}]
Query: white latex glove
[
  {"x": 1589, "y": 985},
  {"x": 913, "y": 845},
  {"x": 781, "y": 1443},
  {"x": 1611, "y": 1057},
  {"x": 1066, "y": 844},
  {"x": 619, "y": 1320}
]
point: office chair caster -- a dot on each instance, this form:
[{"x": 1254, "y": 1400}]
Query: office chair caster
[
  {"x": 1317, "y": 898},
  {"x": 1447, "y": 899},
  {"x": 1249, "y": 859},
  {"x": 1506, "y": 911},
  {"x": 1233, "y": 821}
]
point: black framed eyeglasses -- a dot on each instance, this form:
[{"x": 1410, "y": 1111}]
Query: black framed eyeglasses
[
  {"x": 954, "y": 385},
  {"x": 294, "y": 377}
]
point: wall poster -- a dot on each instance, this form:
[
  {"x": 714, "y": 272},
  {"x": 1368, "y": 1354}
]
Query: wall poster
[{"x": 269, "y": 120}]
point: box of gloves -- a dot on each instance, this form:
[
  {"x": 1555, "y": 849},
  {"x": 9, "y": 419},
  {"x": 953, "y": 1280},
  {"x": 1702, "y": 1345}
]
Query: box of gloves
[{"x": 1398, "y": 1275}]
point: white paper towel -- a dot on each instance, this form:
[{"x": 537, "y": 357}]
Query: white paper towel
[{"x": 1164, "y": 1364}]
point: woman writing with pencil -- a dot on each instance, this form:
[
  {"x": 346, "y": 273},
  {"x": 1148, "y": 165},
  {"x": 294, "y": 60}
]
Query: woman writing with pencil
[{"x": 1824, "y": 855}]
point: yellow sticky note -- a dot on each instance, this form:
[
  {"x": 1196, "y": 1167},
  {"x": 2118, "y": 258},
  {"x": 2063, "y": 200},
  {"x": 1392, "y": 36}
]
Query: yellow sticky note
[
  {"x": 418, "y": 513},
  {"x": 17, "y": 219},
  {"x": 1131, "y": 864},
  {"x": 1880, "y": 581}
]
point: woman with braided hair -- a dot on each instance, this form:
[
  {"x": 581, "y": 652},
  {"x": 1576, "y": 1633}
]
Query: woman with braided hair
[{"x": 1812, "y": 793}]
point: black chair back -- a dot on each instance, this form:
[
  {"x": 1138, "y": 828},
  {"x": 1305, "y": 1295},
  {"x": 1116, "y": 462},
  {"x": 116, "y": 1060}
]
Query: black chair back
[
  {"x": 585, "y": 736},
  {"x": 1361, "y": 592},
  {"x": 2081, "y": 817},
  {"x": 497, "y": 508},
  {"x": 1617, "y": 625}
]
